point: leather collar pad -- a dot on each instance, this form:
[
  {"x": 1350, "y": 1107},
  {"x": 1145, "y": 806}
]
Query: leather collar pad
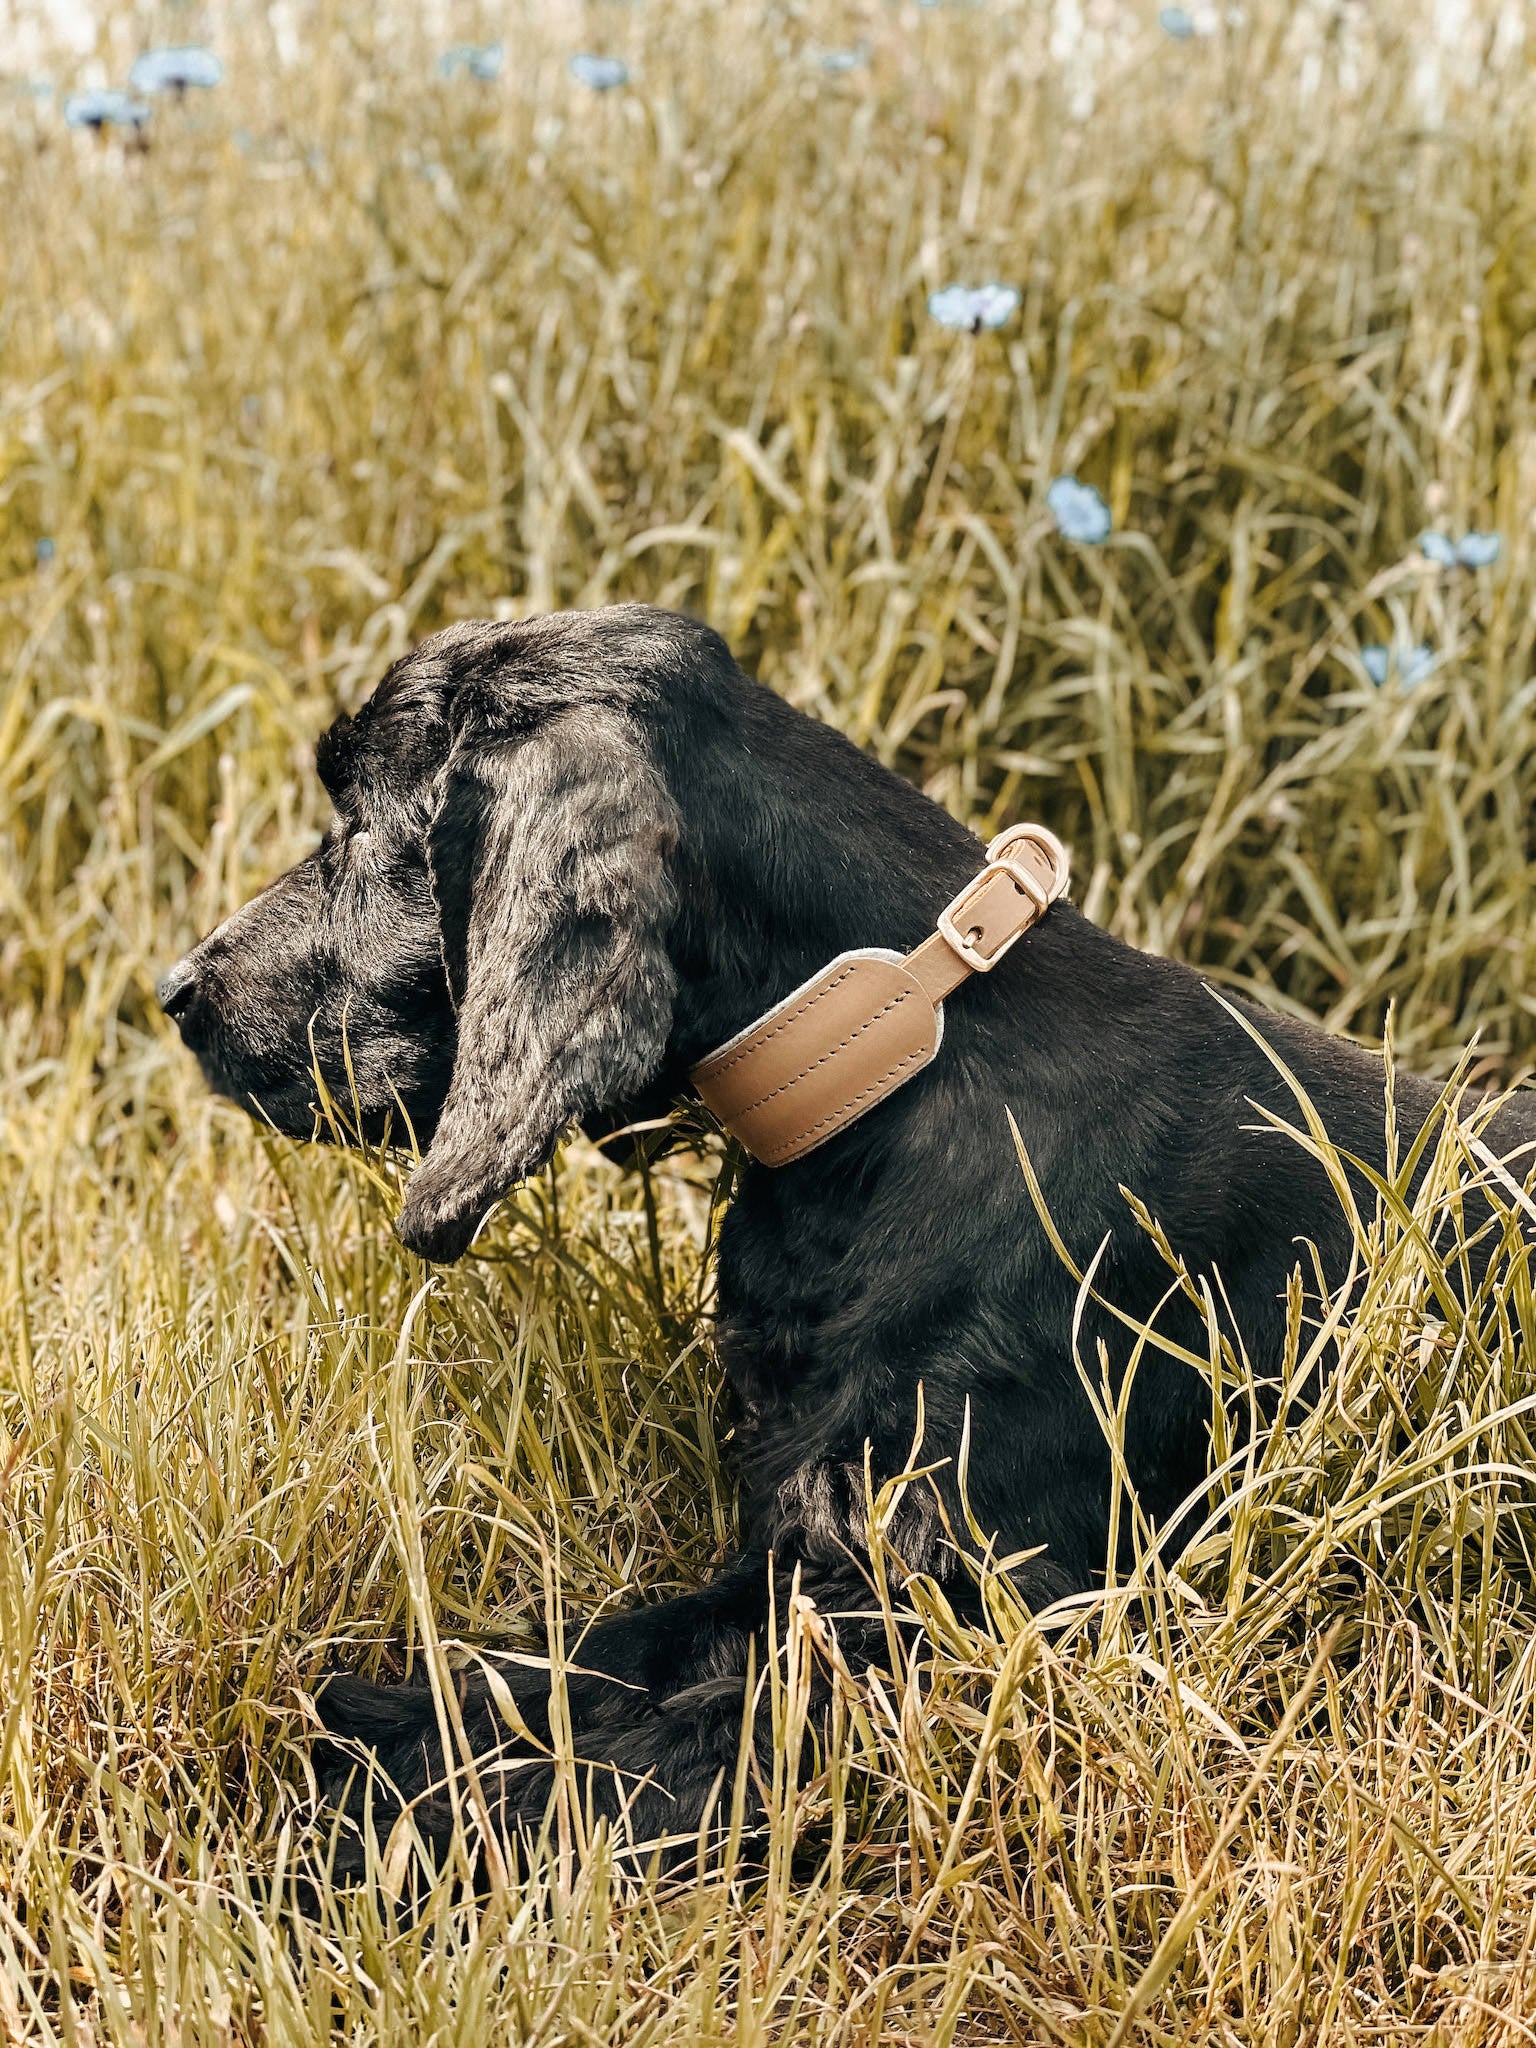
[{"x": 828, "y": 1053}]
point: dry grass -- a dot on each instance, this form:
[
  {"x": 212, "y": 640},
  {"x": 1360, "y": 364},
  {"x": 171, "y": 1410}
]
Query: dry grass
[{"x": 350, "y": 351}]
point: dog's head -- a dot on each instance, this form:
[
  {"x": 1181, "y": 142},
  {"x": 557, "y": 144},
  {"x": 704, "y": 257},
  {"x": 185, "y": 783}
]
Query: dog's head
[{"x": 480, "y": 942}]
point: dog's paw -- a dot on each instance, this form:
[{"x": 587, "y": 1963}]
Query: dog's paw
[
  {"x": 355, "y": 1710},
  {"x": 381, "y": 1756}
]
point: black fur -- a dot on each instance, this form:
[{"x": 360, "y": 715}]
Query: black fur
[{"x": 575, "y": 854}]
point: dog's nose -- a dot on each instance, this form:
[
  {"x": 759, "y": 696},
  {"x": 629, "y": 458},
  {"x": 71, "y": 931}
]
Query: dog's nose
[{"x": 175, "y": 989}]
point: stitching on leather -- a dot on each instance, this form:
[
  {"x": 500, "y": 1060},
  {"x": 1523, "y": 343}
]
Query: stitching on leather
[
  {"x": 830, "y": 1054},
  {"x": 833, "y": 1115},
  {"x": 756, "y": 1044}
]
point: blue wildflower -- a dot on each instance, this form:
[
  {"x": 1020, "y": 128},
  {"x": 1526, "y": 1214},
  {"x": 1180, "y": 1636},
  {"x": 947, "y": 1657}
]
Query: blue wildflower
[
  {"x": 175, "y": 69},
  {"x": 1183, "y": 22},
  {"x": 1412, "y": 664},
  {"x": 602, "y": 74},
  {"x": 106, "y": 108},
  {"x": 973, "y": 306},
  {"x": 1473, "y": 551},
  {"x": 836, "y": 63},
  {"x": 1080, "y": 513},
  {"x": 1478, "y": 550},
  {"x": 480, "y": 60},
  {"x": 45, "y": 548},
  {"x": 485, "y": 63}
]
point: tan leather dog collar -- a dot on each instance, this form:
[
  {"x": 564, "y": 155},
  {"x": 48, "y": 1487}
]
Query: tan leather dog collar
[{"x": 871, "y": 1019}]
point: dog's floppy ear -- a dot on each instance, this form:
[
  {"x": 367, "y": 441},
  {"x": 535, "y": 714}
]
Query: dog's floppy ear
[{"x": 549, "y": 863}]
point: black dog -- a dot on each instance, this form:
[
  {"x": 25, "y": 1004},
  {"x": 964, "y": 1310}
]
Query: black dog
[{"x": 573, "y": 856}]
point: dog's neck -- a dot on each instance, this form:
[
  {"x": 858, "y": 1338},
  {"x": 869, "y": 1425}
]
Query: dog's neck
[{"x": 825, "y": 852}]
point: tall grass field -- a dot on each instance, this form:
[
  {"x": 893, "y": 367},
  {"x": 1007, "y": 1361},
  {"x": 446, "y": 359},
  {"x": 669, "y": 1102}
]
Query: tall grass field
[{"x": 359, "y": 341}]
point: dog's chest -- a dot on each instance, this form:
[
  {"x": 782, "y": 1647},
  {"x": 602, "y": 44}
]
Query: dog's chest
[{"x": 788, "y": 1271}]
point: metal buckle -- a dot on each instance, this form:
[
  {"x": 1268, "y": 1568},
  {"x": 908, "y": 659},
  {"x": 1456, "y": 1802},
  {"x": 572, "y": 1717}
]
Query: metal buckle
[
  {"x": 1038, "y": 835},
  {"x": 998, "y": 863}
]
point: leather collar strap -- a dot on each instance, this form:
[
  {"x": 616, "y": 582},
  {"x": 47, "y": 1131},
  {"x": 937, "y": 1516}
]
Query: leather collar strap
[{"x": 871, "y": 1019}]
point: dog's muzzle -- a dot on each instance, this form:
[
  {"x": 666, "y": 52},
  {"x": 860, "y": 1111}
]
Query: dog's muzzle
[{"x": 871, "y": 1019}]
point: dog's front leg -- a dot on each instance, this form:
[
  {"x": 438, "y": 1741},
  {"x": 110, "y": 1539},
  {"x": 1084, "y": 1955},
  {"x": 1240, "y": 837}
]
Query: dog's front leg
[{"x": 656, "y": 1699}]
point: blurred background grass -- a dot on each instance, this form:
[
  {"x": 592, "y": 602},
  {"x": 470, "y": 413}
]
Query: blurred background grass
[{"x": 344, "y": 349}]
